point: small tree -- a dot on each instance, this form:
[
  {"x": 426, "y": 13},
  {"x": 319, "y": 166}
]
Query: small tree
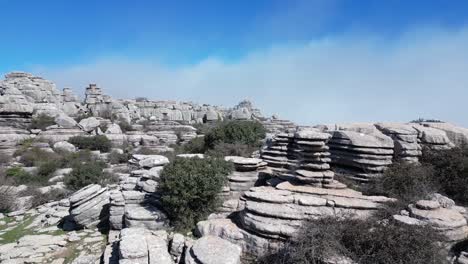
[
  {"x": 190, "y": 187},
  {"x": 101, "y": 143}
]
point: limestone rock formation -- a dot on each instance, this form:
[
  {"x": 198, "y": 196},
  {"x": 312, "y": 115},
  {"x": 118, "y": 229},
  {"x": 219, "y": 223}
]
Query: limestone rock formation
[
  {"x": 89, "y": 206},
  {"x": 140, "y": 246},
  {"x": 213, "y": 250},
  {"x": 405, "y": 137},
  {"x": 440, "y": 213},
  {"x": 10, "y": 138},
  {"x": 361, "y": 156}
]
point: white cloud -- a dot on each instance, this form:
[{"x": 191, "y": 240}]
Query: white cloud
[{"x": 346, "y": 78}]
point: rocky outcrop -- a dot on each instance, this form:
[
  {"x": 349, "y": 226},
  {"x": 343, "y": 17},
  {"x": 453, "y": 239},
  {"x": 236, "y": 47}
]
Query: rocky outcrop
[
  {"x": 302, "y": 156},
  {"x": 212, "y": 250},
  {"x": 405, "y": 137},
  {"x": 10, "y": 138},
  {"x": 440, "y": 213},
  {"x": 361, "y": 156},
  {"x": 247, "y": 174},
  {"x": 140, "y": 246},
  {"x": 55, "y": 134},
  {"x": 135, "y": 203},
  {"x": 274, "y": 214},
  {"x": 274, "y": 125},
  {"x": 457, "y": 135},
  {"x": 90, "y": 206}
]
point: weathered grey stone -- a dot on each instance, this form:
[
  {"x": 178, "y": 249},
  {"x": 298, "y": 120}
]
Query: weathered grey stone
[{"x": 213, "y": 250}]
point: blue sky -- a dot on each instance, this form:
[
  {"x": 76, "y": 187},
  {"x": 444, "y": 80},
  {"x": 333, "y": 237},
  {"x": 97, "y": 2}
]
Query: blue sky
[{"x": 313, "y": 61}]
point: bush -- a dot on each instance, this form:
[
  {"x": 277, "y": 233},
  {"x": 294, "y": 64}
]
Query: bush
[
  {"x": 236, "y": 132},
  {"x": 116, "y": 157},
  {"x": 101, "y": 143},
  {"x": 230, "y": 138},
  {"x": 6, "y": 197},
  {"x": 86, "y": 173},
  {"x": 406, "y": 182},
  {"x": 19, "y": 176},
  {"x": 41, "y": 122},
  {"x": 190, "y": 187},
  {"x": 196, "y": 145},
  {"x": 451, "y": 170},
  {"x": 363, "y": 241},
  {"x": 35, "y": 156}
]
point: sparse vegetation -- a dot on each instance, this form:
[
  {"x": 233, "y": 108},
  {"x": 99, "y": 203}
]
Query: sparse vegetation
[
  {"x": 116, "y": 157},
  {"x": 85, "y": 173},
  {"x": 406, "y": 182},
  {"x": 101, "y": 143},
  {"x": 362, "y": 241},
  {"x": 19, "y": 176},
  {"x": 189, "y": 189},
  {"x": 41, "y": 122},
  {"x": 229, "y": 138},
  {"x": 451, "y": 171}
]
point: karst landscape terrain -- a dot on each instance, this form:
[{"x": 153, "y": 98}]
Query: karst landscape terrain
[
  {"x": 103, "y": 180},
  {"x": 234, "y": 132}
]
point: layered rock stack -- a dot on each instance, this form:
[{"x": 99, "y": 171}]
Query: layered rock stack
[
  {"x": 457, "y": 135},
  {"x": 136, "y": 203},
  {"x": 360, "y": 156},
  {"x": 312, "y": 158},
  {"x": 15, "y": 109},
  {"x": 275, "y": 126},
  {"x": 90, "y": 206},
  {"x": 141, "y": 246},
  {"x": 405, "y": 137},
  {"x": 247, "y": 174},
  {"x": 278, "y": 154},
  {"x": 440, "y": 213},
  {"x": 274, "y": 214},
  {"x": 433, "y": 138},
  {"x": 10, "y": 138}
]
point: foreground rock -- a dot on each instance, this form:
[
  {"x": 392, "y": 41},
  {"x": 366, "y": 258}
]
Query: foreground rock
[
  {"x": 440, "y": 213},
  {"x": 89, "y": 206},
  {"x": 213, "y": 250}
]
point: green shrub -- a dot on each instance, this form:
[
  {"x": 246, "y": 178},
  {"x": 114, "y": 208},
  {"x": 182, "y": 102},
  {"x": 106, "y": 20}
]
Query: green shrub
[
  {"x": 363, "y": 241},
  {"x": 41, "y": 122},
  {"x": 230, "y": 138},
  {"x": 6, "y": 198},
  {"x": 236, "y": 132},
  {"x": 20, "y": 176},
  {"x": 101, "y": 143},
  {"x": 451, "y": 171},
  {"x": 189, "y": 189},
  {"x": 86, "y": 173},
  {"x": 228, "y": 149},
  {"x": 118, "y": 158},
  {"x": 406, "y": 182},
  {"x": 35, "y": 156},
  {"x": 196, "y": 145}
]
